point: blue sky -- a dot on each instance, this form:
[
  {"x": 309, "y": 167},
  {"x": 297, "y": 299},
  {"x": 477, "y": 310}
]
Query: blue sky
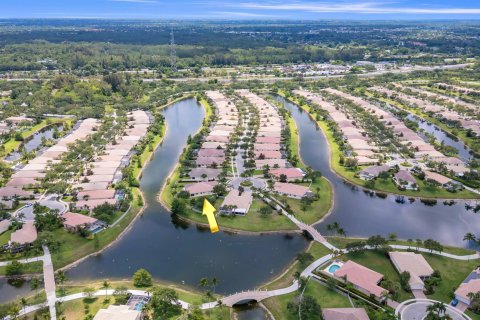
[{"x": 242, "y": 9}]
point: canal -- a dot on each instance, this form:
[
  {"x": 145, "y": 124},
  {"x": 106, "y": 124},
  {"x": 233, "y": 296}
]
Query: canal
[
  {"x": 183, "y": 253},
  {"x": 362, "y": 215}
]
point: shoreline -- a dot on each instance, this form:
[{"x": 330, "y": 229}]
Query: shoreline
[
  {"x": 346, "y": 180},
  {"x": 142, "y": 209}
]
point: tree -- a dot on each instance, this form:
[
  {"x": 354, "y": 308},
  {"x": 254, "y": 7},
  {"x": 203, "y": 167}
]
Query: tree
[
  {"x": 35, "y": 284},
  {"x": 89, "y": 292},
  {"x": 106, "y": 286},
  {"x": 60, "y": 278},
  {"x": 306, "y": 309},
  {"x": 266, "y": 210},
  {"x": 283, "y": 178},
  {"x": 23, "y": 303},
  {"x": 142, "y": 278},
  {"x": 470, "y": 237},
  {"x": 14, "y": 311},
  {"x": 14, "y": 268},
  {"x": 178, "y": 206},
  {"x": 165, "y": 303},
  {"x": 215, "y": 282},
  {"x": 204, "y": 282},
  {"x": 304, "y": 258}
]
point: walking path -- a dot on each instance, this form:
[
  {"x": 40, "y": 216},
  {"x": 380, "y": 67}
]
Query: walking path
[
  {"x": 444, "y": 254},
  {"x": 49, "y": 282}
]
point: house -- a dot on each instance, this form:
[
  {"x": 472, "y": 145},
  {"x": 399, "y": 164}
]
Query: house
[
  {"x": 210, "y": 161},
  {"x": 236, "y": 202},
  {"x": 204, "y": 173},
  {"x": 11, "y": 192},
  {"x": 445, "y": 182},
  {"x": 291, "y": 174},
  {"x": 75, "y": 221},
  {"x": 96, "y": 194},
  {"x": 211, "y": 153},
  {"x": 372, "y": 172},
  {"x": 26, "y": 235},
  {"x": 200, "y": 188},
  {"x": 362, "y": 278},
  {"x": 470, "y": 285},
  {"x": 4, "y": 225},
  {"x": 404, "y": 179},
  {"x": 114, "y": 312},
  {"x": 271, "y": 163},
  {"x": 344, "y": 314},
  {"x": 292, "y": 190},
  {"x": 413, "y": 263},
  {"x": 92, "y": 203},
  {"x": 267, "y": 154}
]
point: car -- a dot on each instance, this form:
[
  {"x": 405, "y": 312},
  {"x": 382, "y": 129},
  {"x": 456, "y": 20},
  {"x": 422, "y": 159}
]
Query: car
[
  {"x": 454, "y": 302},
  {"x": 29, "y": 204}
]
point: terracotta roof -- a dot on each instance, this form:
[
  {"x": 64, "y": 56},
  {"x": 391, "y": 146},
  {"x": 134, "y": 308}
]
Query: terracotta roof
[
  {"x": 437, "y": 177},
  {"x": 472, "y": 286},
  {"x": 75, "y": 219},
  {"x": 27, "y": 234},
  {"x": 96, "y": 194},
  {"x": 361, "y": 277},
  {"x": 291, "y": 189},
  {"x": 291, "y": 173},
  {"x": 404, "y": 175},
  {"x": 200, "y": 187}
]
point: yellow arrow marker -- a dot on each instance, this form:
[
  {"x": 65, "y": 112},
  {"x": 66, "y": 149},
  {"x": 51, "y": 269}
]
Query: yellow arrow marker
[{"x": 208, "y": 210}]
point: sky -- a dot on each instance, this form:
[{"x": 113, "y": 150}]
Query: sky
[{"x": 242, "y": 9}]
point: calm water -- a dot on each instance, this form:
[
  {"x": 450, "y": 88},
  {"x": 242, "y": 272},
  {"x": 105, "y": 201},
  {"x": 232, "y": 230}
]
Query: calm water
[
  {"x": 34, "y": 142},
  {"x": 186, "y": 254},
  {"x": 183, "y": 254},
  {"x": 440, "y": 135},
  {"x": 362, "y": 215}
]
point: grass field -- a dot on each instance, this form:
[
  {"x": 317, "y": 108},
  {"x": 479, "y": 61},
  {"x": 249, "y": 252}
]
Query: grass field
[
  {"x": 325, "y": 297},
  {"x": 341, "y": 242}
]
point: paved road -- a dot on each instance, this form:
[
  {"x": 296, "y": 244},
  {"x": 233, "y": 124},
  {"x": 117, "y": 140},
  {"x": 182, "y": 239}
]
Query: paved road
[
  {"x": 417, "y": 310},
  {"x": 49, "y": 282}
]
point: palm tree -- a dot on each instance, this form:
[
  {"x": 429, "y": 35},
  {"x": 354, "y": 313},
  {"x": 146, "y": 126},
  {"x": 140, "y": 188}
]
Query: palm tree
[
  {"x": 215, "y": 282},
  {"x": 61, "y": 277},
  {"x": 105, "y": 286},
  {"x": 34, "y": 284},
  {"x": 203, "y": 283},
  {"x": 14, "y": 311},
  {"x": 24, "y": 304},
  {"x": 469, "y": 237}
]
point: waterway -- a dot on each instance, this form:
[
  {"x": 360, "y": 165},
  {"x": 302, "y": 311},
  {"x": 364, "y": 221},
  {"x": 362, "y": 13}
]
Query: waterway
[
  {"x": 363, "y": 215},
  {"x": 183, "y": 253},
  {"x": 34, "y": 141}
]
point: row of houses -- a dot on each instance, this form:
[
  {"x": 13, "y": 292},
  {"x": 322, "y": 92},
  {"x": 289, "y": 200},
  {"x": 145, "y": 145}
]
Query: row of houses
[
  {"x": 269, "y": 139},
  {"x": 11, "y": 123},
  {"x": 365, "y": 151},
  {"x": 441, "y": 112},
  {"x": 30, "y": 175},
  {"x": 408, "y": 137},
  {"x": 106, "y": 168}
]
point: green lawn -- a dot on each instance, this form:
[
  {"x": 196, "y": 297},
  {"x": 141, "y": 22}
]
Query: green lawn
[
  {"x": 252, "y": 221},
  {"x": 380, "y": 185},
  {"x": 453, "y": 273},
  {"x": 315, "y": 249},
  {"x": 341, "y": 242},
  {"x": 379, "y": 262},
  {"x": 325, "y": 297},
  {"x": 318, "y": 209},
  {"x": 28, "y": 268}
]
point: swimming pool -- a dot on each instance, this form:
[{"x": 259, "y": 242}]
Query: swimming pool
[
  {"x": 139, "y": 306},
  {"x": 333, "y": 268},
  {"x": 97, "y": 230}
]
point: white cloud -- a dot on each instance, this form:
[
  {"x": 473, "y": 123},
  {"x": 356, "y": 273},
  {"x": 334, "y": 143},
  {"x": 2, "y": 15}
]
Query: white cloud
[{"x": 362, "y": 7}]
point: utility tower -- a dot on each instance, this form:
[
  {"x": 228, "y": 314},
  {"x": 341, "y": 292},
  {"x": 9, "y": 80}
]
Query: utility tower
[{"x": 173, "y": 52}]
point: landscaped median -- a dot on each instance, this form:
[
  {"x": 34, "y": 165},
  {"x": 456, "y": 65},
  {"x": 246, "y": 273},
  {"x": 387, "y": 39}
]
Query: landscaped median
[{"x": 379, "y": 185}]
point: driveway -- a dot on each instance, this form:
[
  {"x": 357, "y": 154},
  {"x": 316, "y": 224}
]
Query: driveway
[{"x": 418, "y": 311}]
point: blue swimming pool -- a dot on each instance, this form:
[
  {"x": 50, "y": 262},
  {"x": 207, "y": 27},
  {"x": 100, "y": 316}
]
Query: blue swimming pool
[
  {"x": 139, "y": 306},
  {"x": 333, "y": 268},
  {"x": 97, "y": 230}
]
